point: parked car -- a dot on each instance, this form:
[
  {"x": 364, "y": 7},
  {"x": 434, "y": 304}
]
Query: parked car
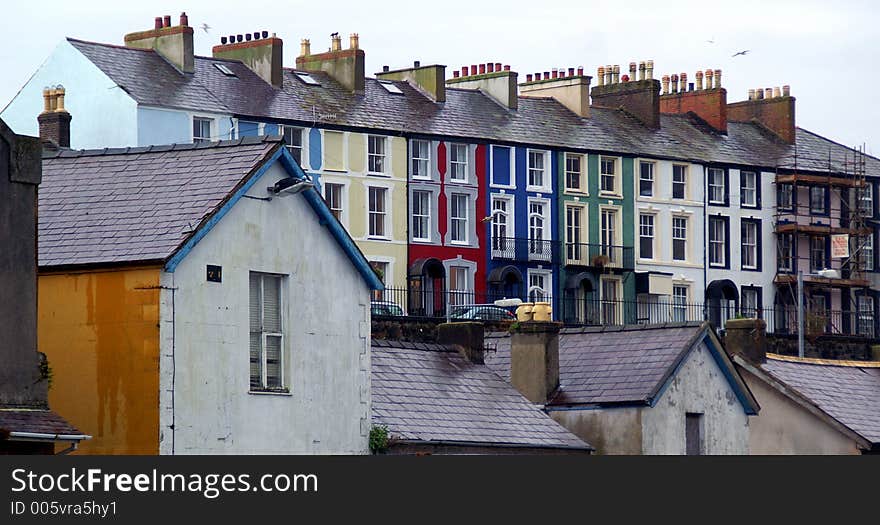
[
  {"x": 482, "y": 312},
  {"x": 385, "y": 308}
]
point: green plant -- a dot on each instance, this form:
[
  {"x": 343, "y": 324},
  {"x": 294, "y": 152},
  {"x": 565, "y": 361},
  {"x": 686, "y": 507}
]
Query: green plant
[
  {"x": 378, "y": 438},
  {"x": 514, "y": 326},
  {"x": 45, "y": 370}
]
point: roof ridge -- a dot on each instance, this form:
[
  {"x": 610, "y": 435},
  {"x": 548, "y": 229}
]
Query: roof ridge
[
  {"x": 826, "y": 362},
  {"x": 161, "y": 148},
  {"x": 104, "y": 44},
  {"x": 413, "y": 345}
]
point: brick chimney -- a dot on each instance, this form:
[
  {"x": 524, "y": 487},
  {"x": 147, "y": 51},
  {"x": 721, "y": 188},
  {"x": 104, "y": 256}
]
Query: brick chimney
[
  {"x": 709, "y": 103},
  {"x": 572, "y": 91},
  {"x": 260, "y": 52},
  {"x": 500, "y": 83},
  {"x": 776, "y": 113},
  {"x": 639, "y": 98},
  {"x": 175, "y": 43},
  {"x": 534, "y": 359},
  {"x": 746, "y": 337},
  {"x": 346, "y": 66},
  {"x": 54, "y": 120},
  {"x": 431, "y": 80},
  {"x": 468, "y": 336}
]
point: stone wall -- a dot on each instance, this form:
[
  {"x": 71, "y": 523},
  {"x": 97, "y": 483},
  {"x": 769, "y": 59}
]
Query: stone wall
[{"x": 852, "y": 348}]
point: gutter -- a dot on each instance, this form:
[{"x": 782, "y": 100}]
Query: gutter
[
  {"x": 36, "y": 436},
  {"x": 586, "y": 446}
]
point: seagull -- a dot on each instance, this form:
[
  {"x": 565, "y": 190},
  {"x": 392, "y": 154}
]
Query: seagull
[
  {"x": 205, "y": 27},
  {"x": 712, "y": 41},
  {"x": 335, "y": 34},
  {"x": 740, "y": 53}
]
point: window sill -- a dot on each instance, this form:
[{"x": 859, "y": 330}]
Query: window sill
[
  {"x": 422, "y": 241},
  {"x": 421, "y": 179},
  {"x": 577, "y": 193},
  {"x": 610, "y": 195},
  {"x": 538, "y": 189},
  {"x": 450, "y": 180},
  {"x": 375, "y": 238},
  {"x": 375, "y": 174},
  {"x": 284, "y": 392},
  {"x": 335, "y": 170},
  {"x": 459, "y": 243}
]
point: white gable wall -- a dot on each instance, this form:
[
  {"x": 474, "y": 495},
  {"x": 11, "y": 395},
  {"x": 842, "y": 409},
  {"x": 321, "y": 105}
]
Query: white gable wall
[
  {"x": 699, "y": 386},
  {"x": 326, "y": 338}
]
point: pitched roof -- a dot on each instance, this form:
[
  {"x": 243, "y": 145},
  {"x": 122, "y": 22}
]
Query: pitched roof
[
  {"x": 152, "y": 81},
  {"x": 847, "y": 391},
  {"x": 430, "y": 393},
  {"x": 620, "y": 365},
  {"x": 30, "y": 421}
]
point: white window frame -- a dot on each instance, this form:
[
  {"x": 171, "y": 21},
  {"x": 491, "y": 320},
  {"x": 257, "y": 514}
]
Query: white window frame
[
  {"x": 343, "y": 198},
  {"x": 544, "y": 155},
  {"x": 583, "y": 184},
  {"x": 653, "y": 236},
  {"x": 415, "y": 146},
  {"x": 465, "y": 219},
  {"x": 867, "y": 252},
  {"x": 865, "y": 320},
  {"x": 866, "y": 200},
  {"x": 212, "y": 125},
  {"x": 501, "y": 248},
  {"x": 545, "y": 289},
  {"x": 715, "y": 187},
  {"x": 722, "y": 243},
  {"x": 750, "y": 247},
  {"x": 745, "y": 190},
  {"x": 264, "y": 335},
  {"x": 616, "y": 161},
  {"x": 684, "y": 170},
  {"x": 684, "y": 239},
  {"x": 454, "y": 162},
  {"x": 791, "y": 197},
  {"x": 382, "y": 156},
  {"x": 791, "y": 255},
  {"x": 611, "y": 310},
  {"x": 386, "y": 213},
  {"x": 292, "y": 148},
  {"x": 653, "y": 179},
  {"x": 459, "y": 295},
  {"x": 423, "y": 217},
  {"x": 511, "y": 168},
  {"x": 745, "y": 308},
  {"x": 680, "y": 302},
  {"x": 611, "y": 250},
  {"x": 538, "y": 246},
  {"x": 575, "y": 248}
]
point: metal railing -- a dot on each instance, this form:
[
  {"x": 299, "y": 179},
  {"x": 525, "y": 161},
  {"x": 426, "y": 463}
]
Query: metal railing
[{"x": 568, "y": 253}]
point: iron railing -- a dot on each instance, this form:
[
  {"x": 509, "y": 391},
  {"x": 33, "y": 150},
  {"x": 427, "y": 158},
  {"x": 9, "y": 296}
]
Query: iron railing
[{"x": 568, "y": 253}]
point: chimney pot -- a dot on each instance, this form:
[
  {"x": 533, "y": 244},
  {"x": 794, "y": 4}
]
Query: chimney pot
[
  {"x": 786, "y": 91},
  {"x": 616, "y": 76},
  {"x": 717, "y": 78},
  {"x": 473, "y": 69},
  {"x": 690, "y": 86},
  {"x": 455, "y": 74},
  {"x": 385, "y": 68},
  {"x": 624, "y": 78},
  {"x": 699, "y": 76},
  {"x": 417, "y": 64},
  {"x": 580, "y": 71},
  {"x": 498, "y": 66},
  {"x": 632, "y": 71},
  {"x": 528, "y": 77},
  {"x": 238, "y": 38},
  {"x": 158, "y": 24},
  {"x": 600, "y": 72},
  {"x": 184, "y": 20},
  {"x": 555, "y": 73},
  {"x": 776, "y": 92},
  {"x": 223, "y": 40},
  {"x": 256, "y": 35},
  {"x": 247, "y": 37},
  {"x": 464, "y": 71},
  {"x": 265, "y": 34},
  {"x": 354, "y": 41},
  {"x": 166, "y": 21},
  {"x": 683, "y": 77},
  {"x": 490, "y": 67},
  {"x": 571, "y": 71},
  {"x": 506, "y": 67},
  {"x": 609, "y": 71},
  {"x": 482, "y": 68},
  {"x": 768, "y": 92},
  {"x": 674, "y": 79},
  {"x": 759, "y": 94},
  {"x": 649, "y": 68},
  {"x": 665, "y": 82},
  {"x": 751, "y": 94}
]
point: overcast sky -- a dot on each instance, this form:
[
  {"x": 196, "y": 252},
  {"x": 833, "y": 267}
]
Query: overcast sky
[{"x": 826, "y": 51}]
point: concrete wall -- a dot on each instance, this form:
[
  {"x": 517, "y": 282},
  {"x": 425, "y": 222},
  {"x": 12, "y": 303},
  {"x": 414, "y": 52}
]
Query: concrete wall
[
  {"x": 205, "y": 338},
  {"x": 784, "y": 427},
  {"x": 699, "y": 386},
  {"x": 611, "y": 430},
  {"x": 99, "y": 331},
  {"x": 104, "y": 115}
]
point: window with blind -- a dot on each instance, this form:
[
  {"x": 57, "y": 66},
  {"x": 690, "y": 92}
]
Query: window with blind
[{"x": 267, "y": 333}]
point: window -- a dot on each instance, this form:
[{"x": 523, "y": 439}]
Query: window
[
  {"x": 459, "y": 286},
  {"x": 307, "y": 78},
  {"x": 420, "y": 159},
  {"x": 202, "y": 129},
  {"x": 866, "y": 200},
  {"x": 536, "y": 169},
  {"x": 377, "y": 211},
  {"x": 573, "y": 220},
  {"x": 818, "y": 260},
  {"x": 646, "y": 236},
  {"x": 390, "y": 87},
  {"x": 501, "y": 241},
  {"x": 539, "y": 283},
  {"x": 573, "y": 172},
  {"x": 748, "y": 189},
  {"x": 266, "y": 330},
  {"x": 679, "y": 302},
  {"x": 381, "y": 269},
  {"x": 866, "y": 257},
  {"x": 376, "y": 154},
  {"x": 865, "y": 325},
  {"x": 293, "y": 139},
  {"x": 717, "y": 186},
  {"x": 751, "y": 299},
  {"x": 693, "y": 434},
  {"x": 679, "y": 238},
  {"x": 459, "y": 218},
  {"x": 223, "y": 68},
  {"x": 608, "y": 233},
  {"x": 785, "y": 197},
  {"x": 818, "y": 200},
  {"x": 785, "y": 260},
  {"x": 538, "y": 248},
  {"x": 646, "y": 179},
  {"x": 333, "y": 197},
  {"x": 610, "y": 301},
  {"x": 608, "y": 175},
  {"x": 717, "y": 241},
  {"x": 679, "y": 181},
  {"x": 421, "y": 216},
  {"x": 458, "y": 162},
  {"x": 750, "y": 245}
]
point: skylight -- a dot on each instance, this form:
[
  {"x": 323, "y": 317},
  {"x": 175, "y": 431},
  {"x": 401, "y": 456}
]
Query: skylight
[
  {"x": 390, "y": 87},
  {"x": 308, "y": 79},
  {"x": 223, "y": 69}
]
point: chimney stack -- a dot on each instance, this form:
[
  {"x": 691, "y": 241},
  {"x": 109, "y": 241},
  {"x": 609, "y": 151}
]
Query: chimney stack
[
  {"x": 346, "y": 66},
  {"x": 534, "y": 359},
  {"x": 772, "y": 108},
  {"x": 430, "y": 80},
  {"x": 500, "y": 84},
  {"x": 710, "y": 104},
  {"x": 572, "y": 91},
  {"x": 262, "y": 55},
  {"x": 467, "y": 336},
  {"x": 173, "y": 43},
  {"x": 54, "y": 121},
  {"x": 640, "y": 98},
  {"x": 746, "y": 337}
]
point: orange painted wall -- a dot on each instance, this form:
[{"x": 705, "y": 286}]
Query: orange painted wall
[{"x": 100, "y": 332}]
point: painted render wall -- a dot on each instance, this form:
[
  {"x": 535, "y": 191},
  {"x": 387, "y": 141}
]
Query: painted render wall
[
  {"x": 699, "y": 386},
  {"x": 612, "y": 431},
  {"x": 99, "y": 331},
  {"x": 784, "y": 427},
  {"x": 104, "y": 115},
  {"x": 175, "y": 126},
  {"x": 205, "y": 338}
]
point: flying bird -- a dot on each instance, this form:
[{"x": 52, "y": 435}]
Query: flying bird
[
  {"x": 711, "y": 41},
  {"x": 740, "y": 53},
  {"x": 205, "y": 27}
]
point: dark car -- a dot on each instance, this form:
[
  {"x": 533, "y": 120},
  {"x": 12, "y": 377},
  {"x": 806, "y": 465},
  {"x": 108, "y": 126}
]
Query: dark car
[
  {"x": 385, "y": 308},
  {"x": 481, "y": 312}
]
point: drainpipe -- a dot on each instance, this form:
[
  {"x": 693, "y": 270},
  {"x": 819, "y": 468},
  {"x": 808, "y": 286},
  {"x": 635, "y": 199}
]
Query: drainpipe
[{"x": 705, "y": 242}]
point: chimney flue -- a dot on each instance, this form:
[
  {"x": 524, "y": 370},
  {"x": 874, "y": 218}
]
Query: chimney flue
[
  {"x": 354, "y": 41},
  {"x": 482, "y": 68},
  {"x": 699, "y": 76},
  {"x": 777, "y": 92},
  {"x": 534, "y": 360},
  {"x": 490, "y": 67},
  {"x": 717, "y": 78},
  {"x": 473, "y": 69},
  {"x": 786, "y": 91},
  {"x": 616, "y": 76},
  {"x": 665, "y": 82},
  {"x": 768, "y": 92},
  {"x": 600, "y": 73},
  {"x": 580, "y": 71},
  {"x": 632, "y": 70},
  {"x": 166, "y": 21},
  {"x": 305, "y": 47},
  {"x": 184, "y": 20},
  {"x": 674, "y": 79},
  {"x": 649, "y": 68},
  {"x": 158, "y": 24},
  {"x": 642, "y": 70}
]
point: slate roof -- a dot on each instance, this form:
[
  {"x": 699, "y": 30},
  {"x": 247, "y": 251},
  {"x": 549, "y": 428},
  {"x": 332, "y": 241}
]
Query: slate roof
[
  {"x": 152, "y": 81},
  {"x": 430, "y": 393},
  {"x": 610, "y": 365},
  {"x": 848, "y": 391},
  {"x": 136, "y": 204},
  {"x": 37, "y": 422}
]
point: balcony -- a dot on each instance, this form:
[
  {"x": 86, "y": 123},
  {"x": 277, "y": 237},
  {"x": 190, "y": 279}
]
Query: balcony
[
  {"x": 570, "y": 254},
  {"x": 839, "y": 180}
]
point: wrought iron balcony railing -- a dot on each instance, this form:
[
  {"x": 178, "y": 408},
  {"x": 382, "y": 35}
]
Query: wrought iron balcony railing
[{"x": 556, "y": 252}]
